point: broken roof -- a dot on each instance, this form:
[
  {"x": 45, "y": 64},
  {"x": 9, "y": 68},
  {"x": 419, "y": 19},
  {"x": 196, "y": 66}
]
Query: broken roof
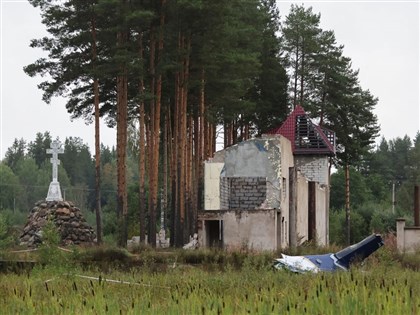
[{"x": 305, "y": 136}]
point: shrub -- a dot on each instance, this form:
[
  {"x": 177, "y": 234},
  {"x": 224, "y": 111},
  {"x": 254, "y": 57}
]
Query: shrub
[
  {"x": 5, "y": 238},
  {"x": 49, "y": 253}
]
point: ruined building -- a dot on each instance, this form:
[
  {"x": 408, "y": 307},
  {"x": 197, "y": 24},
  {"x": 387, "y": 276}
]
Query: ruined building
[{"x": 271, "y": 192}]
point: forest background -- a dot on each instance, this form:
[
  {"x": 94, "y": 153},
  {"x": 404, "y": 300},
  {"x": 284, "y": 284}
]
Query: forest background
[{"x": 168, "y": 76}]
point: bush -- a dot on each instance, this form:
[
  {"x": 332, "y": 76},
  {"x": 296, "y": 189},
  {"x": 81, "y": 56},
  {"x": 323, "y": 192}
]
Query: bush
[
  {"x": 105, "y": 254},
  {"x": 110, "y": 222},
  {"x": 49, "y": 253},
  {"x": 5, "y": 238},
  {"x": 383, "y": 222},
  {"x": 15, "y": 218},
  {"x": 359, "y": 229}
]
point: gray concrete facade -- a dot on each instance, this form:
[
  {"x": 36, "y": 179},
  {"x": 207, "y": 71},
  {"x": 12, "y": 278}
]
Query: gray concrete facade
[{"x": 253, "y": 196}]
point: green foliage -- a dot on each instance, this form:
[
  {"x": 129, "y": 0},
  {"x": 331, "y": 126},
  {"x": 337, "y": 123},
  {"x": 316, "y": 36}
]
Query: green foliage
[
  {"x": 358, "y": 231},
  {"x": 270, "y": 88},
  {"x": 389, "y": 171},
  {"x": 300, "y": 43},
  {"x": 366, "y": 219},
  {"x": 105, "y": 254},
  {"x": 31, "y": 180},
  {"x": 10, "y": 190},
  {"x": 77, "y": 161},
  {"x": 6, "y": 239},
  {"x": 110, "y": 225},
  {"x": 383, "y": 221},
  {"x": 359, "y": 191},
  {"x": 15, "y": 153},
  {"x": 37, "y": 148},
  {"x": 27, "y": 183},
  {"x": 49, "y": 253},
  {"x": 15, "y": 218},
  {"x": 393, "y": 165}
]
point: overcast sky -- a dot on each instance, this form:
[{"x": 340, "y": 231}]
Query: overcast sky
[{"x": 381, "y": 38}]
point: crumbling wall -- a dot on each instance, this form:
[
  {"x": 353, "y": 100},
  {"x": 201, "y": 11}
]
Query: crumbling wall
[
  {"x": 242, "y": 192},
  {"x": 408, "y": 238},
  {"x": 322, "y": 220},
  {"x": 302, "y": 209},
  {"x": 212, "y": 172},
  {"x": 256, "y": 158},
  {"x": 313, "y": 167},
  {"x": 253, "y": 229}
]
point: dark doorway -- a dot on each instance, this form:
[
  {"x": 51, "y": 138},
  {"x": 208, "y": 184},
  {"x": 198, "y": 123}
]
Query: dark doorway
[
  {"x": 280, "y": 222},
  {"x": 215, "y": 233},
  {"x": 311, "y": 211}
]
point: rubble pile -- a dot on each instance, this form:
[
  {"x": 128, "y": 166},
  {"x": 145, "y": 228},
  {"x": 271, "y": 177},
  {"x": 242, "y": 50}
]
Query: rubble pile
[{"x": 68, "y": 219}]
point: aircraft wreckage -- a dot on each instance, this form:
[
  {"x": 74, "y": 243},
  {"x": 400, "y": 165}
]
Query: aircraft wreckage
[{"x": 331, "y": 262}]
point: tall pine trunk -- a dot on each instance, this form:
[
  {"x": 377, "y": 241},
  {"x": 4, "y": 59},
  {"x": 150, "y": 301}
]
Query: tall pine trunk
[
  {"x": 189, "y": 176},
  {"x": 98, "y": 210},
  {"x": 181, "y": 146},
  {"x": 155, "y": 123},
  {"x": 142, "y": 158},
  {"x": 200, "y": 140},
  {"x": 121, "y": 150},
  {"x": 296, "y": 77},
  {"x": 302, "y": 73},
  {"x": 164, "y": 204},
  {"x": 150, "y": 146},
  {"x": 181, "y": 189},
  {"x": 122, "y": 124},
  {"x": 347, "y": 203}
]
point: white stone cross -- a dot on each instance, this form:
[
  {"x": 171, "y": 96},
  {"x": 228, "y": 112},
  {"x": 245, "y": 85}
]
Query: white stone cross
[
  {"x": 54, "y": 191},
  {"x": 55, "y": 150}
]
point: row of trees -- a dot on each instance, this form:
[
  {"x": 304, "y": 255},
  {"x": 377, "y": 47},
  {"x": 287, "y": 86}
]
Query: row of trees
[
  {"x": 26, "y": 172},
  {"x": 166, "y": 73},
  {"x": 388, "y": 173},
  {"x": 382, "y": 189}
]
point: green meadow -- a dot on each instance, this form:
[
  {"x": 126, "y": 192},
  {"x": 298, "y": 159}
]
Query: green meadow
[{"x": 205, "y": 282}]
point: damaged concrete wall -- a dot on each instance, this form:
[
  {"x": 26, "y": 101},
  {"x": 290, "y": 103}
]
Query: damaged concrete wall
[
  {"x": 287, "y": 161},
  {"x": 252, "y": 229},
  {"x": 268, "y": 158},
  {"x": 302, "y": 209},
  {"x": 321, "y": 215},
  {"x": 408, "y": 238},
  {"x": 257, "y": 158},
  {"x": 212, "y": 172},
  {"x": 235, "y": 174},
  {"x": 313, "y": 167}
]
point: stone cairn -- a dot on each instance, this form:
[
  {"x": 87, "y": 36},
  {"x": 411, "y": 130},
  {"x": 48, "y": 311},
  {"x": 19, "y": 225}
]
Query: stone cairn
[{"x": 68, "y": 219}]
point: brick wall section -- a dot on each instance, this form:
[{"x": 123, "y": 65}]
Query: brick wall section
[
  {"x": 242, "y": 192},
  {"x": 314, "y": 168},
  {"x": 224, "y": 192}
]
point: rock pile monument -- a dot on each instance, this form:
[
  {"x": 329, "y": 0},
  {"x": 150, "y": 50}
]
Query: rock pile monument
[{"x": 68, "y": 219}]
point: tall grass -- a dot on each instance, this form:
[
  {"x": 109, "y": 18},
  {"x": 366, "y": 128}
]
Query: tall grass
[
  {"x": 114, "y": 281},
  {"x": 372, "y": 289}
]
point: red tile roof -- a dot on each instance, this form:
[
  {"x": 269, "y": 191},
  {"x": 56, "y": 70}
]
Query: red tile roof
[{"x": 305, "y": 136}]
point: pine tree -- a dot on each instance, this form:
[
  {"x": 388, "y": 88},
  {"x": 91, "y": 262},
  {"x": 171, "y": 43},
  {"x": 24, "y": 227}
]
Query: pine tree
[
  {"x": 323, "y": 80},
  {"x": 270, "y": 87},
  {"x": 72, "y": 65},
  {"x": 300, "y": 34}
]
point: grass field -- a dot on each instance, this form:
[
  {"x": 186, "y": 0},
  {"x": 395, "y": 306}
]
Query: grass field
[{"x": 220, "y": 286}]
